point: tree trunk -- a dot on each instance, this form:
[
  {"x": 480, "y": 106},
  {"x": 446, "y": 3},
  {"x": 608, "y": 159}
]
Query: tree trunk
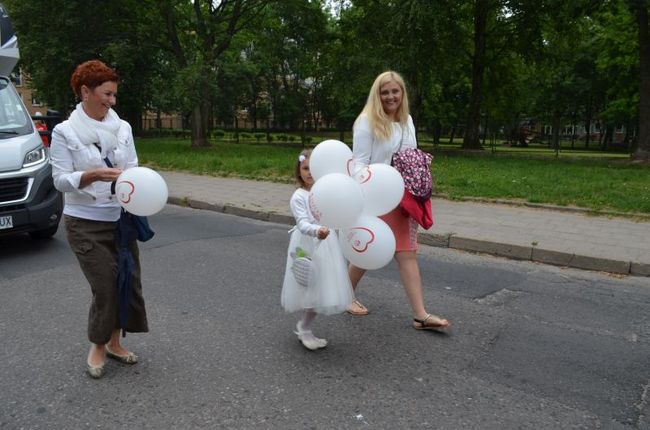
[
  {"x": 437, "y": 132},
  {"x": 485, "y": 130},
  {"x": 199, "y": 122},
  {"x": 134, "y": 117},
  {"x": 236, "y": 129},
  {"x": 608, "y": 138},
  {"x": 599, "y": 126},
  {"x": 451, "y": 135},
  {"x": 556, "y": 130},
  {"x": 642, "y": 152},
  {"x": 472, "y": 138},
  {"x": 588, "y": 118}
]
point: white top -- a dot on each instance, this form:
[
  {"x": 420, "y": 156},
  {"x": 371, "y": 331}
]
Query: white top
[
  {"x": 305, "y": 221},
  {"x": 70, "y": 158},
  {"x": 366, "y": 149}
]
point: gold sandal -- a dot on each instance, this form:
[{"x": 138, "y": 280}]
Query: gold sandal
[
  {"x": 427, "y": 324},
  {"x": 357, "y": 308}
]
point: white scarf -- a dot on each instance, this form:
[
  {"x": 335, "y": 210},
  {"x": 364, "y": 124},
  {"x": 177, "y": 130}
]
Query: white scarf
[{"x": 91, "y": 131}]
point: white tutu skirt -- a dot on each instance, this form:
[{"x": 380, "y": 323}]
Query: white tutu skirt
[{"x": 327, "y": 289}]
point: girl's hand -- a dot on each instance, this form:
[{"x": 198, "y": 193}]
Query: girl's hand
[{"x": 323, "y": 232}]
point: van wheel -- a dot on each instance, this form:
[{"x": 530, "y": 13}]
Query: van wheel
[{"x": 44, "y": 234}]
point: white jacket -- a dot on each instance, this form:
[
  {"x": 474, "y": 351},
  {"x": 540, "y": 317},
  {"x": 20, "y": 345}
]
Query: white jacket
[
  {"x": 367, "y": 149},
  {"x": 70, "y": 158}
]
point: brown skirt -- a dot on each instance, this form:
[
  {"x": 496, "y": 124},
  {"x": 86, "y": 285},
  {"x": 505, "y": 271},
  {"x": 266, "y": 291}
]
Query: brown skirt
[{"x": 93, "y": 242}]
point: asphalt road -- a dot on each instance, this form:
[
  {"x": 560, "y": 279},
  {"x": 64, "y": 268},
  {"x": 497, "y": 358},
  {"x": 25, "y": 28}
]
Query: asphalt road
[{"x": 532, "y": 346}]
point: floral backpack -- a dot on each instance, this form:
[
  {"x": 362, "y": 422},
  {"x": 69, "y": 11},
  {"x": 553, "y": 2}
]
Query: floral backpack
[{"x": 414, "y": 166}]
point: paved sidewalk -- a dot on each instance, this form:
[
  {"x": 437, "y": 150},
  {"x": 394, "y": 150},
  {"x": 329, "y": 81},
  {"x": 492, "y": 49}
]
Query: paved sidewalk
[{"x": 616, "y": 245}]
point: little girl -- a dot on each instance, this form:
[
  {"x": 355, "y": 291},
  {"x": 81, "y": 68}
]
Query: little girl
[{"x": 316, "y": 278}]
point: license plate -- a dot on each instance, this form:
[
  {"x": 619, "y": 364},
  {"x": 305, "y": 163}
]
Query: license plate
[{"x": 6, "y": 222}]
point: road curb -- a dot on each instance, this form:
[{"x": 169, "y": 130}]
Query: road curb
[
  {"x": 545, "y": 206},
  {"x": 448, "y": 240}
]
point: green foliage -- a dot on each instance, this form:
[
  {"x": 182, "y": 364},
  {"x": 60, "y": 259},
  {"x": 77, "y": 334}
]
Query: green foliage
[
  {"x": 55, "y": 36},
  {"x": 291, "y": 65}
]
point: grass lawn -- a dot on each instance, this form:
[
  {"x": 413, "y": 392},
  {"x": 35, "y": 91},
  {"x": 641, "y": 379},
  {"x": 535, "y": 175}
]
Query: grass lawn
[{"x": 598, "y": 184}]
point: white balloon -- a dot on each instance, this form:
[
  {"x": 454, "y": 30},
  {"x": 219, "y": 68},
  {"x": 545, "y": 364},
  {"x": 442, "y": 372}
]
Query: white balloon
[
  {"x": 330, "y": 156},
  {"x": 141, "y": 191},
  {"x": 382, "y": 187},
  {"x": 335, "y": 200},
  {"x": 369, "y": 243}
]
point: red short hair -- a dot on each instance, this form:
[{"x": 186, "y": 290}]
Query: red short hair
[{"x": 92, "y": 74}]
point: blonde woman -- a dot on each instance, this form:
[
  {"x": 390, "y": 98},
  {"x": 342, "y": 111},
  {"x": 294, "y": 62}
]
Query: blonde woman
[{"x": 383, "y": 127}]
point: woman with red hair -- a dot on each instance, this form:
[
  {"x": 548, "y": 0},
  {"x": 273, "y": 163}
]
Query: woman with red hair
[{"x": 89, "y": 151}]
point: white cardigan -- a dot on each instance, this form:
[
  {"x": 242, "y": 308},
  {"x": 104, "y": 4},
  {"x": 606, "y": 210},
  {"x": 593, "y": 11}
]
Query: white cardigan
[
  {"x": 70, "y": 158},
  {"x": 305, "y": 221},
  {"x": 366, "y": 149}
]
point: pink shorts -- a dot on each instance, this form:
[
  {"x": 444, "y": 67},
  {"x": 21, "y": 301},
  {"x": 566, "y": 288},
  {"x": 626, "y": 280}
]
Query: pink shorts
[{"x": 404, "y": 228}]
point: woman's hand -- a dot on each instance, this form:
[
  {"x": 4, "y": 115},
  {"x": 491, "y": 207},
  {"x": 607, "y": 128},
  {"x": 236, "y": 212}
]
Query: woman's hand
[
  {"x": 103, "y": 174},
  {"x": 322, "y": 233}
]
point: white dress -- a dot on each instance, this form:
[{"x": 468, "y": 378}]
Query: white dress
[{"x": 328, "y": 289}]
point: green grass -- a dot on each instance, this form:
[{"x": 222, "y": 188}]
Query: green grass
[
  {"x": 265, "y": 162},
  {"x": 596, "y": 184}
]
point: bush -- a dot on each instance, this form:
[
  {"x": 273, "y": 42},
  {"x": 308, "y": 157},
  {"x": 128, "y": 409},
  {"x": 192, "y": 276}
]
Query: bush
[
  {"x": 245, "y": 136},
  {"x": 282, "y": 137},
  {"x": 292, "y": 139},
  {"x": 269, "y": 138},
  {"x": 219, "y": 134},
  {"x": 259, "y": 136}
]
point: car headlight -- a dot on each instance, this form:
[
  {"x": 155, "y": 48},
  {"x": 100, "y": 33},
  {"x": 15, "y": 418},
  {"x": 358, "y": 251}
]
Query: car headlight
[{"x": 34, "y": 157}]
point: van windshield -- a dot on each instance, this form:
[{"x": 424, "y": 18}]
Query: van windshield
[{"x": 14, "y": 119}]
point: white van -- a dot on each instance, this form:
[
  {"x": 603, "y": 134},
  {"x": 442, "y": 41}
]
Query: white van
[{"x": 29, "y": 203}]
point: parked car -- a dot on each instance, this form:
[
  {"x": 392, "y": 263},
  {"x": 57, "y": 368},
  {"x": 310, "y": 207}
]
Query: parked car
[{"x": 29, "y": 203}]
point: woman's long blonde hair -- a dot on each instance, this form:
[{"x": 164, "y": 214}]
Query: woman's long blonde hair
[{"x": 380, "y": 123}]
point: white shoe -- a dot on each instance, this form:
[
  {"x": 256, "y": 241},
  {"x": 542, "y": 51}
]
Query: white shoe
[{"x": 307, "y": 338}]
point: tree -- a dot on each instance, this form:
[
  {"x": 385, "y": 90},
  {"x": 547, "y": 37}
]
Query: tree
[
  {"x": 482, "y": 10},
  {"x": 642, "y": 153},
  {"x": 198, "y": 34},
  {"x": 499, "y": 27},
  {"x": 52, "y": 44},
  {"x": 616, "y": 54}
]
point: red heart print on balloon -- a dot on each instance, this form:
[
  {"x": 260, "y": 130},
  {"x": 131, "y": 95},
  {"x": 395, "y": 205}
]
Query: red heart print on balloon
[
  {"x": 313, "y": 208},
  {"x": 124, "y": 191},
  {"x": 360, "y": 238},
  {"x": 363, "y": 175}
]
